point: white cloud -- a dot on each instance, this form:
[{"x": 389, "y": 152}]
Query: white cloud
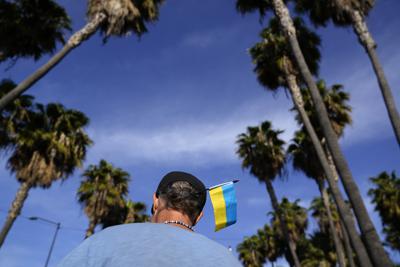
[{"x": 196, "y": 142}]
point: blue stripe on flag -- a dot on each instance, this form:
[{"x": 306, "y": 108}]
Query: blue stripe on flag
[{"x": 230, "y": 203}]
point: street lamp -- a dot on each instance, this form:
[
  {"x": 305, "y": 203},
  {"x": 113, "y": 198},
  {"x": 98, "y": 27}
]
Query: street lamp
[{"x": 35, "y": 218}]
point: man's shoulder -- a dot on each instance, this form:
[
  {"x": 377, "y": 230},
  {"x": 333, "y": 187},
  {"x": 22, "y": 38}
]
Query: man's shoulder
[{"x": 148, "y": 244}]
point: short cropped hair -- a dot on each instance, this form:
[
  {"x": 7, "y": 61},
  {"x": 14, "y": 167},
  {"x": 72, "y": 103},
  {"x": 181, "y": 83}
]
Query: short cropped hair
[{"x": 183, "y": 197}]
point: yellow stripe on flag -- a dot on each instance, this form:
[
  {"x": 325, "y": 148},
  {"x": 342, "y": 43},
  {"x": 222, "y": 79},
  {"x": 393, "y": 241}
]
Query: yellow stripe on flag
[{"x": 218, "y": 202}]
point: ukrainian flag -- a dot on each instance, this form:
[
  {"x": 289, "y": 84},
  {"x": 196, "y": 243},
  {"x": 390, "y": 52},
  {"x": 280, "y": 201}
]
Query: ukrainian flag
[{"x": 223, "y": 199}]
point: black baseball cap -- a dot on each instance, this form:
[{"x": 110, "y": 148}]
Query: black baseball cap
[{"x": 176, "y": 176}]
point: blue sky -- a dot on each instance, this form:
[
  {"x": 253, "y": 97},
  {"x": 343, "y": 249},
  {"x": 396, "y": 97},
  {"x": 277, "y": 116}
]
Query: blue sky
[{"x": 177, "y": 98}]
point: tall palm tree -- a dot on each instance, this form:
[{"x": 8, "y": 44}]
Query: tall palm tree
[
  {"x": 320, "y": 213},
  {"x": 372, "y": 241},
  {"x": 275, "y": 68},
  {"x": 262, "y": 153},
  {"x": 31, "y": 28},
  {"x": 111, "y": 17},
  {"x": 304, "y": 157},
  {"x": 386, "y": 197},
  {"x": 49, "y": 147},
  {"x": 353, "y": 13},
  {"x": 104, "y": 187},
  {"x": 296, "y": 220}
]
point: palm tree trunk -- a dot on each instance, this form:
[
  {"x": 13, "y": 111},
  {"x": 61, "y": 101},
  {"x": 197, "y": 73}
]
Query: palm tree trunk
[
  {"x": 365, "y": 38},
  {"x": 343, "y": 209},
  {"x": 330, "y": 161},
  {"x": 282, "y": 220},
  {"x": 347, "y": 246},
  {"x": 346, "y": 241},
  {"x": 90, "y": 230},
  {"x": 15, "y": 210},
  {"x": 75, "y": 40},
  {"x": 372, "y": 241},
  {"x": 338, "y": 245}
]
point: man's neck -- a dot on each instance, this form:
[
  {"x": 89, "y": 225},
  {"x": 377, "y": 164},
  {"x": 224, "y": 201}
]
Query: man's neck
[{"x": 173, "y": 215}]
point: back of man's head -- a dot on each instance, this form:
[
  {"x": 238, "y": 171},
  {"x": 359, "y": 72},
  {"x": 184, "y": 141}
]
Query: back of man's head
[{"x": 182, "y": 192}]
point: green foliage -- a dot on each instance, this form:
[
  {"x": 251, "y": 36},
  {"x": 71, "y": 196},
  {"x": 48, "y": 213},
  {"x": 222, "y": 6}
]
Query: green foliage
[
  {"x": 129, "y": 212},
  {"x": 251, "y": 252},
  {"x": 14, "y": 117},
  {"x": 125, "y": 16},
  {"x": 319, "y": 213},
  {"x": 336, "y": 102},
  {"x": 249, "y": 6},
  {"x": 31, "y": 28},
  {"x": 323, "y": 11},
  {"x": 262, "y": 151},
  {"x": 304, "y": 157},
  {"x": 301, "y": 149},
  {"x": 386, "y": 197},
  {"x": 312, "y": 252},
  {"x": 269, "y": 54},
  {"x": 295, "y": 217},
  {"x": 269, "y": 243},
  {"x": 103, "y": 192},
  {"x": 49, "y": 146},
  {"x": 263, "y": 246}
]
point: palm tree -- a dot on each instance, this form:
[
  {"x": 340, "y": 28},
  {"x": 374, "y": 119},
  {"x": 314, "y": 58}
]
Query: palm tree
[
  {"x": 320, "y": 213},
  {"x": 263, "y": 246},
  {"x": 262, "y": 153},
  {"x": 296, "y": 220},
  {"x": 129, "y": 212},
  {"x": 136, "y": 212},
  {"x": 104, "y": 187},
  {"x": 111, "y": 17},
  {"x": 275, "y": 67},
  {"x": 386, "y": 197},
  {"x": 368, "y": 230},
  {"x": 295, "y": 217},
  {"x": 336, "y": 102},
  {"x": 272, "y": 245},
  {"x": 31, "y": 28},
  {"x": 318, "y": 250},
  {"x": 353, "y": 13},
  {"x": 304, "y": 157},
  {"x": 49, "y": 147},
  {"x": 252, "y": 252}
]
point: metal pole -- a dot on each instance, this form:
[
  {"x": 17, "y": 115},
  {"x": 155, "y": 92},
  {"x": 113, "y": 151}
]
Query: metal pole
[{"x": 52, "y": 244}]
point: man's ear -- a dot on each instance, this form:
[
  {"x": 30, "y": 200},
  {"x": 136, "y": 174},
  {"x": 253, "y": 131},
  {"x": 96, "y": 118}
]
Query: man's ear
[
  {"x": 155, "y": 203},
  {"x": 198, "y": 218}
]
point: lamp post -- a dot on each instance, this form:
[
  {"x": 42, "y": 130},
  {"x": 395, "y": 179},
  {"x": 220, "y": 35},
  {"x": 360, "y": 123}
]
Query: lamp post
[{"x": 54, "y": 237}]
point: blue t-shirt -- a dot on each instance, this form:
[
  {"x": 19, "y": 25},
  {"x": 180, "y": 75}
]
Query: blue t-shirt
[{"x": 148, "y": 244}]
